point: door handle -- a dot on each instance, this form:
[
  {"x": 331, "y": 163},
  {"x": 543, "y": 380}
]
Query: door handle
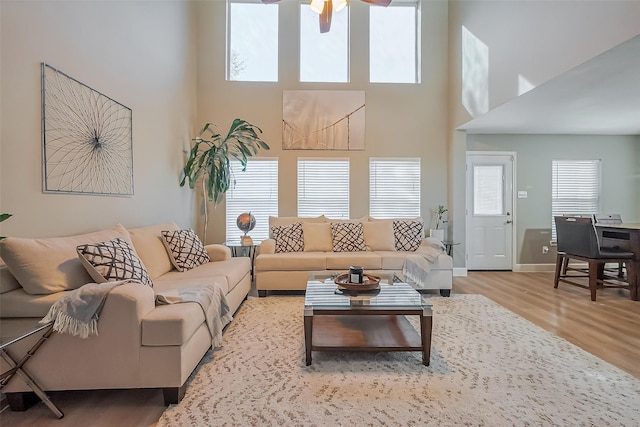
[{"x": 509, "y": 221}]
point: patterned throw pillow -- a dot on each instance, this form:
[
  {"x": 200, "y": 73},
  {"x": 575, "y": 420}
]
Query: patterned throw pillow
[
  {"x": 113, "y": 260},
  {"x": 347, "y": 237},
  {"x": 289, "y": 238},
  {"x": 407, "y": 235},
  {"x": 185, "y": 249}
]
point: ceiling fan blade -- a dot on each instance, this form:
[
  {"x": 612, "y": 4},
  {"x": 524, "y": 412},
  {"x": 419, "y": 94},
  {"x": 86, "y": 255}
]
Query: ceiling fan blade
[
  {"x": 384, "y": 3},
  {"x": 325, "y": 17}
]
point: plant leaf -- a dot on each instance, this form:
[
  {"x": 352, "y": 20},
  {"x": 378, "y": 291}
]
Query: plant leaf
[{"x": 241, "y": 142}]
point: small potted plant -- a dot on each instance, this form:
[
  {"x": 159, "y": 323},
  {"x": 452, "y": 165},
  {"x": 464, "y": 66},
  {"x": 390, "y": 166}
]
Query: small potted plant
[{"x": 440, "y": 221}]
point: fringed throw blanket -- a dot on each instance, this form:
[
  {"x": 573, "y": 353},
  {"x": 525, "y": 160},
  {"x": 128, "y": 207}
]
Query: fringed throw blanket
[
  {"x": 418, "y": 264},
  {"x": 213, "y": 303},
  {"x": 77, "y": 312}
]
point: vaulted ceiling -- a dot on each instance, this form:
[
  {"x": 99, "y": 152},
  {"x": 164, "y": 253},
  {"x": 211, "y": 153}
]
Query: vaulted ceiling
[{"x": 600, "y": 96}]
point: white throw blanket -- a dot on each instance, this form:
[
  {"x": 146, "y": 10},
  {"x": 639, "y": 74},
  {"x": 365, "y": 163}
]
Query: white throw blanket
[
  {"x": 77, "y": 313},
  {"x": 213, "y": 303},
  {"x": 418, "y": 264}
]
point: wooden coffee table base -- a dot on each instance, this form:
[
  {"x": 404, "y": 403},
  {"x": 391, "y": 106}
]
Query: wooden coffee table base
[{"x": 366, "y": 332}]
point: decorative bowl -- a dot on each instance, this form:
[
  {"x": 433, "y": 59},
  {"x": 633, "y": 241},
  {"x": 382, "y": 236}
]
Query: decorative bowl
[{"x": 369, "y": 283}]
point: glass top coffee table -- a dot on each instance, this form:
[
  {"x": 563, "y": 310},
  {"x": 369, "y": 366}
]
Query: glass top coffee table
[{"x": 368, "y": 321}]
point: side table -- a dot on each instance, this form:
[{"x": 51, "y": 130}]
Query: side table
[
  {"x": 238, "y": 250},
  {"x": 448, "y": 246},
  {"x": 14, "y": 330}
]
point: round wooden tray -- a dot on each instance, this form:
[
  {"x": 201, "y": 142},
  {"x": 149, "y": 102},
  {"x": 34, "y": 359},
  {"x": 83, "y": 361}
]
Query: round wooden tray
[{"x": 369, "y": 283}]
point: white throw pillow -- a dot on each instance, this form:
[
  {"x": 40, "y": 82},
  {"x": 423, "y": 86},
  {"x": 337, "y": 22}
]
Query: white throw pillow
[
  {"x": 279, "y": 221},
  {"x": 113, "y": 260},
  {"x": 317, "y": 237},
  {"x": 288, "y": 238},
  {"x": 185, "y": 249},
  {"x": 408, "y": 235},
  {"x": 347, "y": 237},
  {"x": 148, "y": 243},
  {"x": 378, "y": 235}
]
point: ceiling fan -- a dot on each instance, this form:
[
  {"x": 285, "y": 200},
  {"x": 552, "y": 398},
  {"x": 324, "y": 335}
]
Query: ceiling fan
[{"x": 326, "y": 7}]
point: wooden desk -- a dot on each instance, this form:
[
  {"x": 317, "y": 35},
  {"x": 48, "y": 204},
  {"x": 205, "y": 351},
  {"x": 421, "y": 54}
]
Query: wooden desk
[{"x": 625, "y": 236}]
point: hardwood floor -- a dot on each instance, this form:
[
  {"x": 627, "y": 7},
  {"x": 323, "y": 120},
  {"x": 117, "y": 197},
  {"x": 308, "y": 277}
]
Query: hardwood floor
[{"x": 608, "y": 328}]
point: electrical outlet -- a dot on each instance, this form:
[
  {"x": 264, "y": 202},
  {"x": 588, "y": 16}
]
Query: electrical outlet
[{"x": 545, "y": 249}]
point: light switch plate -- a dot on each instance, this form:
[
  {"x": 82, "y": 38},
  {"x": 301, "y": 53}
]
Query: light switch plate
[{"x": 522, "y": 194}]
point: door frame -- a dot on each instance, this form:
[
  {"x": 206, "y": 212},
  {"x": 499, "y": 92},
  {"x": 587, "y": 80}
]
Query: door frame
[{"x": 514, "y": 193}]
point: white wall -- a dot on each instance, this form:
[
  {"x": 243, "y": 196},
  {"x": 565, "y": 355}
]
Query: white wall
[
  {"x": 401, "y": 119},
  {"x": 141, "y": 54},
  {"x": 620, "y": 180},
  {"x": 536, "y": 39},
  {"x": 147, "y": 55}
]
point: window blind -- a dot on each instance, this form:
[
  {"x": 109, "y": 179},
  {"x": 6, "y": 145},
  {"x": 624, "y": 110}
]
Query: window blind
[
  {"x": 575, "y": 188},
  {"x": 255, "y": 191},
  {"x": 394, "y": 187},
  {"x": 323, "y": 187}
]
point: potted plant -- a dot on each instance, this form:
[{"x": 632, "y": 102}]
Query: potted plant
[
  {"x": 209, "y": 159},
  {"x": 440, "y": 221}
]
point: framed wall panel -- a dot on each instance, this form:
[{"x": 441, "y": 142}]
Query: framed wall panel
[{"x": 87, "y": 145}]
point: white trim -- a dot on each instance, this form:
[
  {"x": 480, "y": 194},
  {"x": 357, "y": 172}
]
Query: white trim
[
  {"x": 459, "y": 271},
  {"x": 533, "y": 268},
  {"x": 492, "y": 153}
]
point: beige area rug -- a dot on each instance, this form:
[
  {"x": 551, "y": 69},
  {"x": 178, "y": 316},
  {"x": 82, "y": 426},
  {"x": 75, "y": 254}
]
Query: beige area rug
[{"x": 489, "y": 367}]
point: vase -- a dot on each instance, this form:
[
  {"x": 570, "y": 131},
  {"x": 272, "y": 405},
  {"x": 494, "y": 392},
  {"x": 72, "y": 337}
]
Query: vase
[{"x": 438, "y": 234}]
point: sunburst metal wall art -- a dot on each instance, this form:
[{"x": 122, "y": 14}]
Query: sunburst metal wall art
[{"x": 86, "y": 139}]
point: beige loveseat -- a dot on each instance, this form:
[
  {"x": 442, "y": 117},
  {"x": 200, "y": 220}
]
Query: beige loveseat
[
  {"x": 276, "y": 269},
  {"x": 139, "y": 344}
]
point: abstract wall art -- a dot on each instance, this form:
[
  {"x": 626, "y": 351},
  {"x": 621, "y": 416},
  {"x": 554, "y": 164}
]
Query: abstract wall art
[
  {"x": 323, "y": 120},
  {"x": 86, "y": 139}
]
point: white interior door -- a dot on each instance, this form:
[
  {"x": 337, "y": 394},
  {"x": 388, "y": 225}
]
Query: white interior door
[{"x": 489, "y": 211}]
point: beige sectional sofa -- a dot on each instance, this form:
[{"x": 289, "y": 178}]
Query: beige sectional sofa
[
  {"x": 139, "y": 344},
  {"x": 287, "y": 268}
]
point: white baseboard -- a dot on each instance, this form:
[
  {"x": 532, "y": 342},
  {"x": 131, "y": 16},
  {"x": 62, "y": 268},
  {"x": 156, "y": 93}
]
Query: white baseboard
[
  {"x": 459, "y": 271},
  {"x": 532, "y": 268}
]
